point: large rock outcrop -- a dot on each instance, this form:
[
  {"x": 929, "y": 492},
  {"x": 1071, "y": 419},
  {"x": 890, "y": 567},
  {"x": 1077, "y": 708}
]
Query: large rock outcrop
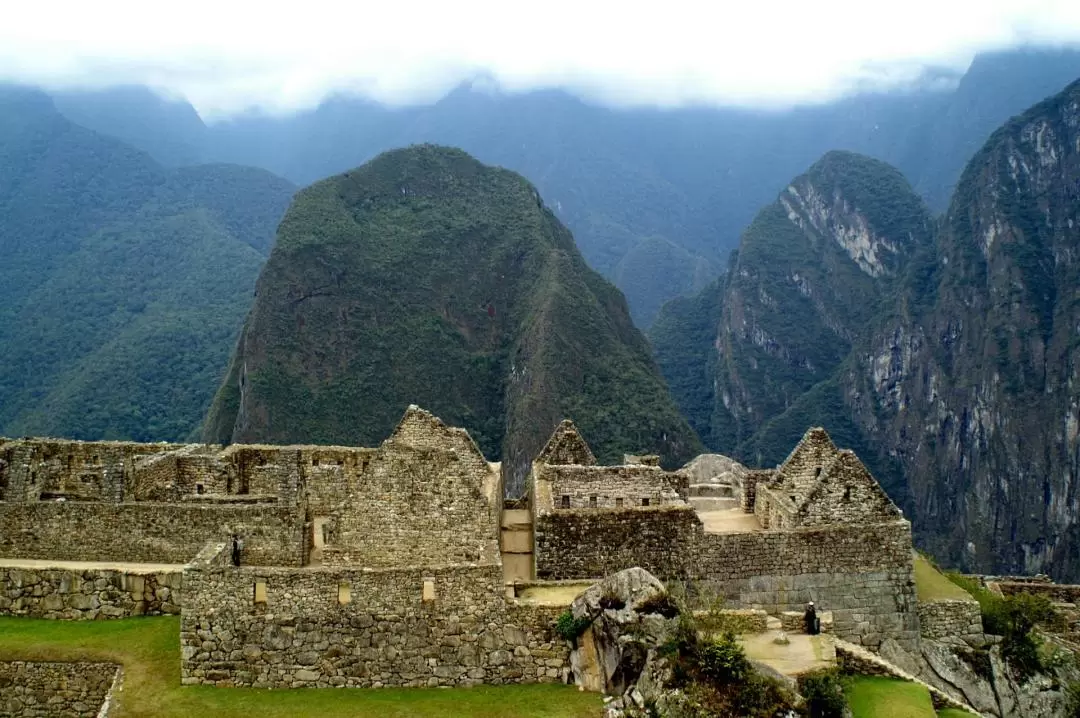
[
  {"x": 427, "y": 277},
  {"x": 618, "y": 654},
  {"x": 978, "y": 676}
]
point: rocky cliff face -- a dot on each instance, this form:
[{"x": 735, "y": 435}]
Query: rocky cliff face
[
  {"x": 427, "y": 277},
  {"x": 946, "y": 356},
  {"x": 975, "y": 380}
]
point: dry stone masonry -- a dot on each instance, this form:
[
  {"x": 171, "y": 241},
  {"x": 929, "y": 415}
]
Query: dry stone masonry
[
  {"x": 335, "y": 566},
  {"x": 68, "y": 593},
  {"x": 56, "y": 690}
]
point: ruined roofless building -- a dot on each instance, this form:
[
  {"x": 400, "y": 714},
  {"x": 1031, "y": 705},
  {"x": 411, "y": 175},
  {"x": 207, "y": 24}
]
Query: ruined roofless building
[{"x": 390, "y": 565}]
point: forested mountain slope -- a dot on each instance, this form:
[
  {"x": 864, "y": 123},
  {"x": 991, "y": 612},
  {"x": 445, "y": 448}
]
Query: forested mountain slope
[
  {"x": 124, "y": 283},
  {"x": 426, "y": 277}
]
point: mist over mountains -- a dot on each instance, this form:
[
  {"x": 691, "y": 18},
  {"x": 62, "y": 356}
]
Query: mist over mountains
[{"x": 655, "y": 198}]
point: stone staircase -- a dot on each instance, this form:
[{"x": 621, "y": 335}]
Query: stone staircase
[
  {"x": 516, "y": 544},
  {"x": 712, "y": 497}
]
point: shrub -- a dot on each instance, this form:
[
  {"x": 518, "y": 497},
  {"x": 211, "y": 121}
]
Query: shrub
[
  {"x": 660, "y": 603},
  {"x": 824, "y": 694},
  {"x": 722, "y": 660},
  {"x": 1014, "y": 618},
  {"x": 571, "y": 628}
]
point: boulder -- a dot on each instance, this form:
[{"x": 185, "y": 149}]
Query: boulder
[{"x": 630, "y": 619}]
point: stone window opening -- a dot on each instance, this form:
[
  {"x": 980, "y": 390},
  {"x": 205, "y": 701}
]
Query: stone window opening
[
  {"x": 645, "y": 502},
  {"x": 619, "y": 503},
  {"x": 344, "y": 593},
  {"x": 428, "y": 595},
  {"x": 94, "y": 460},
  {"x": 817, "y": 472},
  {"x": 566, "y": 501},
  {"x": 314, "y": 460},
  {"x": 259, "y": 593},
  {"x": 199, "y": 489},
  {"x": 592, "y": 501},
  {"x": 262, "y": 461},
  {"x": 847, "y": 494},
  {"x": 33, "y": 478}
]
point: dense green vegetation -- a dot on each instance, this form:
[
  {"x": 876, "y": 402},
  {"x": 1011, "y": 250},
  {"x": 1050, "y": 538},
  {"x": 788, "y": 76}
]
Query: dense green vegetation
[
  {"x": 426, "y": 277},
  {"x": 125, "y": 284},
  {"x": 149, "y": 650}
]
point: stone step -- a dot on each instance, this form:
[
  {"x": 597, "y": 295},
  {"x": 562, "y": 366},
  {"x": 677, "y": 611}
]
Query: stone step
[
  {"x": 517, "y": 519},
  {"x": 713, "y": 503},
  {"x": 725, "y": 490},
  {"x": 516, "y": 541}
]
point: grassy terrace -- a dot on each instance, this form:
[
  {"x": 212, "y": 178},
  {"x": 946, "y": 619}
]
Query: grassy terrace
[
  {"x": 932, "y": 585},
  {"x": 149, "y": 650},
  {"x": 879, "y": 697}
]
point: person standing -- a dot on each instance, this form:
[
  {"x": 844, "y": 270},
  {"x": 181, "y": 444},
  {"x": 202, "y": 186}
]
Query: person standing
[{"x": 810, "y": 620}]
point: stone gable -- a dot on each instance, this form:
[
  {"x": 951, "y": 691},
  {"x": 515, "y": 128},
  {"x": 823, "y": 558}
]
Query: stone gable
[{"x": 566, "y": 446}]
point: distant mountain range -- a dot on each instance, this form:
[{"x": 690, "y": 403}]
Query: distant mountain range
[{"x": 655, "y": 198}]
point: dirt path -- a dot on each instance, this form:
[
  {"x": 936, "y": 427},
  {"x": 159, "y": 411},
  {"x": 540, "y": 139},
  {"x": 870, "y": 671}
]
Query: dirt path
[{"x": 91, "y": 565}]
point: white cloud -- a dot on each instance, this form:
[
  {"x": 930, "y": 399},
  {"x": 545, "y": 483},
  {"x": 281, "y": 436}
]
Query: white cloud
[{"x": 226, "y": 55}]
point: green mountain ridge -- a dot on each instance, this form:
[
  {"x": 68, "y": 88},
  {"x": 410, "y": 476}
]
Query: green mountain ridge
[
  {"x": 425, "y": 277},
  {"x": 951, "y": 371},
  {"x": 125, "y": 283}
]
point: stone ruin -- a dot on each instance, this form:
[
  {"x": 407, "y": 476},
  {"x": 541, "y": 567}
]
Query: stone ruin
[{"x": 400, "y": 565}]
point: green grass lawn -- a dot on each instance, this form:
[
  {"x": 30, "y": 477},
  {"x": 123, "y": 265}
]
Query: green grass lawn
[
  {"x": 953, "y": 713},
  {"x": 149, "y": 650},
  {"x": 932, "y": 585},
  {"x": 880, "y": 697}
]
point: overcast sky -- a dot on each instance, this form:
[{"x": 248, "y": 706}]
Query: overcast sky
[{"x": 226, "y": 55}]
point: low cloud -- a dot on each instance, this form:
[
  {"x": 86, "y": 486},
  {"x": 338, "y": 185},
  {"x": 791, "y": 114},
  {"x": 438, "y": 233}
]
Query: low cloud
[{"x": 226, "y": 56}]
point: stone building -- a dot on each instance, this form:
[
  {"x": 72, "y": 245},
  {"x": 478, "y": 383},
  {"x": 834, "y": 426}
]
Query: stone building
[{"x": 400, "y": 564}]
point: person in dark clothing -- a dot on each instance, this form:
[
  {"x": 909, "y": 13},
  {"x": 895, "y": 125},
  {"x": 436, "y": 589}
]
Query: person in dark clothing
[
  {"x": 237, "y": 547},
  {"x": 810, "y": 619}
]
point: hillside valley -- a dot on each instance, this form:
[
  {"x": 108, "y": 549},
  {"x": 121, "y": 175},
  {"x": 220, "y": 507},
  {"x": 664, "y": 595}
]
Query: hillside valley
[
  {"x": 943, "y": 351},
  {"x": 124, "y": 283}
]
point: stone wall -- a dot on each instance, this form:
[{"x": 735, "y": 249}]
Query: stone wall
[
  {"x": 33, "y": 469},
  {"x": 425, "y": 496},
  {"x": 55, "y": 690},
  {"x": 862, "y": 574},
  {"x": 1058, "y": 593},
  {"x": 356, "y": 627},
  {"x": 580, "y": 487},
  {"x": 750, "y": 484},
  {"x": 88, "y": 594},
  {"x": 147, "y": 532},
  {"x": 941, "y": 619},
  {"x": 592, "y": 543}
]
